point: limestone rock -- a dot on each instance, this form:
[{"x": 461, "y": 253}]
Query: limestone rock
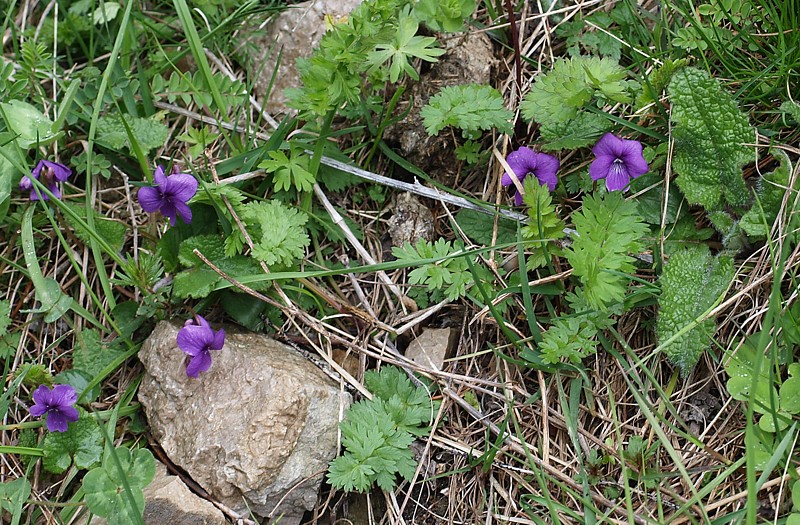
[
  {"x": 411, "y": 220},
  {"x": 260, "y": 424},
  {"x": 169, "y": 500},
  {"x": 292, "y": 34},
  {"x": 431, "y": 348}
]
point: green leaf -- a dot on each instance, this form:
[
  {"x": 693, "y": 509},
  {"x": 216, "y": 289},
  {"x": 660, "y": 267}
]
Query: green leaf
[
  {"x": 790, "y": 391},
  {"x": 113, "y": 232},
  {"x": 544, "y": 227},
  {"x": 91, "y": 356},
  {"x": 609, "y": 229},
  {"x": 199, "y": 280},
  {"x": 13, "y": 496},
  {"x": 555, "y": 98},
  {"x": 149, "y": 133},
  {"x": 82, "y": 442},
  {"x": 281, "y": 238},
  {"x": 758, "y": 220},
  {"x": 5, "y": 317},
  {"x": 579, "y": 132},
  {"x": 742, "y": 368},
  {"x": 480, "y": 227},
  {"x": 468, "y": 107},
  {"x": 107, "y": 12},
  {"x": 692, "y": 282},
  {"x": 796, "y": 495},
  {"x": 106, "y": 495},
  {"x": 404, "y": 47},
  {"x": 444, "y": 15},
  {"x": 791, "y": 108},
  {"x": 289, "y": 172},
  {"x": 31, "y": 126},
  {"x": 711, "y": 141}
]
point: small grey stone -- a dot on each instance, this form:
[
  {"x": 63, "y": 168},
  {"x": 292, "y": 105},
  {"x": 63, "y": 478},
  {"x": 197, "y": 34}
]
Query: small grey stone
[
  {"x": 169, "y": 500},
  {"x": 260, "y": 425},
  {"x": 430, "y": 349},
  {"x": 411, "y": 220}
]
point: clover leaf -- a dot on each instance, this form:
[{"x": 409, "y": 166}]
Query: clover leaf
[
  {"x": 82, "y": 442},
  {"x": 111, "y": 487},
  {"x": 13, "y": 495},
  {"x": 790, "y": 390}
]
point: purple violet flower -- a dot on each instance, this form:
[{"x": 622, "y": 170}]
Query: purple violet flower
[
  {"x": 49, "y": 174},
  {"x": 57, "y": 404},
  {"x": 197, "y": 339},
  {"x": 618, "y": 161},
  {"x": 524, "y": 162},
  {"x": 169, "y": 195}
]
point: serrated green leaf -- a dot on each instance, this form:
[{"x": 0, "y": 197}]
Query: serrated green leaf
[
  {"x": 609, "y": 230},
  {"x": 281, "y": 239},
  {"x": 469, "y": 107},
  {"x": 35, "y": 375},
  {"x": 711, "y": 140},
  {"x": 149, "y": 133},
  {"x": 544, "y": 226},
  {"x": 82, "y": 442},
  {"x": 758, "y": 220},
  {"x": 556, "y": 96},
  {"x": 691, "y": 283}
]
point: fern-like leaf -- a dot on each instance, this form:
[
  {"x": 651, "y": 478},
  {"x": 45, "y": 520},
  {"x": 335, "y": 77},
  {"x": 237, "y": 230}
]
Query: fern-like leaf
[{"x": 609, "y": 229}]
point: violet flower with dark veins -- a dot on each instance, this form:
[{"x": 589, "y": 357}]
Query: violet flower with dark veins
[
  {"x": 197, "y": 339},
  {"x": 57, "y": 404},
  {"x": 169, "y": 195},
  {"x": 618, "y": 161},
  {"x": 49, "y": 174},
  {"x": 524, "y": 162}
]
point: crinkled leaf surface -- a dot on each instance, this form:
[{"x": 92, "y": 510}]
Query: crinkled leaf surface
[
  {"x": 106, "y": 495},
  {"x": 692, "y": 281},
  {"x": 711, "y": 135},
  {"x": 91, "y": 355},
  {"x": 82, "y": 442},
  {"x": 199, "y": 280},
  {"x": 469, "y": 107}
]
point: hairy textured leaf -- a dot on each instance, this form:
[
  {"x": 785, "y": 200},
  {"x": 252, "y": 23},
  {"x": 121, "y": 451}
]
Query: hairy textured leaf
[
  {"x": 711, "y": 136},
  {"x": 579, "y": 132},
  {"x": 469, "y": 107},
  {"x": 82, "y": 442},
  {"x": 692, "y": 281},
  {"x": 111, "y": 231},
  {"x": 556, "y": 96},
  {"x": 199, "y": 280}
]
